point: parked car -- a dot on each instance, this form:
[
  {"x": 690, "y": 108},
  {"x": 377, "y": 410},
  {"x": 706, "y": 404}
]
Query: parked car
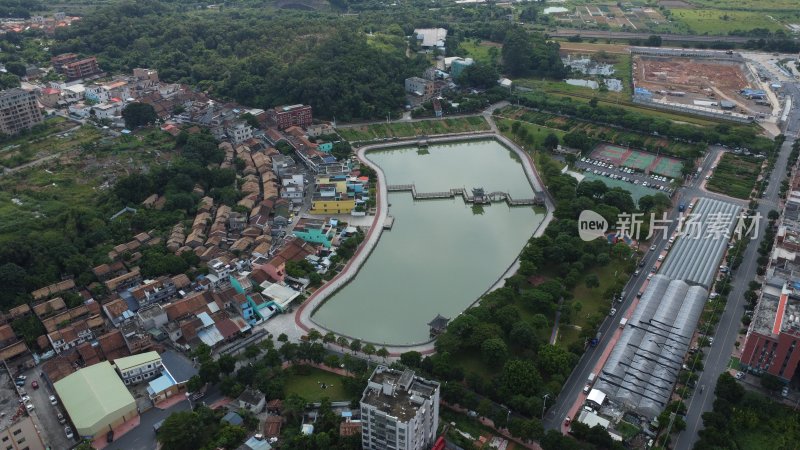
[
  {"x": 25, "y": 399},
  {"x": 68, "y": 432},
  {"x": 567, "y": 420},
  {"x": 53, "y": 400},
  {"x": 61, "y": 418},
  {"x": 739, "y": 375},
  {"x": 21, "y": 377},
  {"x": 20, "y": 383},
  {"x": 35, "y": 384},
  {"x": 785, "y": 391},
  {"x": 29, "y": 406}
]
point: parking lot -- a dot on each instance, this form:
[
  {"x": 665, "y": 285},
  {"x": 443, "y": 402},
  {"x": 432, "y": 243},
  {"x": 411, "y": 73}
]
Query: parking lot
[
  {"x": 52, "y": 431},
  {"x": 626, "y": 174}
]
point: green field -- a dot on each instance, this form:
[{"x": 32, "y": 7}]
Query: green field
[
  {"x": 481, "y": 51},
  {"x": 309, "y": 385},
  {"x": 534, "y": 134},
  {"x": 417, "y": 128},
  {"x": 717, "y": 21},
  {"x": 748, "y": 5},
  {"x": 735, "y": 176}
]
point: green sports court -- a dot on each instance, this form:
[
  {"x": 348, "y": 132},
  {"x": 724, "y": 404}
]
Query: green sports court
[{"x": 638, "y": 160}]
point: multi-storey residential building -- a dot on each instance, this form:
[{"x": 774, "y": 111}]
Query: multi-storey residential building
[
  {"x": 61, "y": 60},
  {"x": 327, "y": 200},
  {"x": 136, "y": 368},
  {"x": 239, "y": 132},
  {"x": 315, "y": 231},
  {"x": 419, "y": 86},
  {"x": 286, "y": 116},
  {"x": 81, "y": 69},
  {"x": 21, "y": 434},
  {"x": 18, "y": 111},
  {"x": 399, "y": 411}
]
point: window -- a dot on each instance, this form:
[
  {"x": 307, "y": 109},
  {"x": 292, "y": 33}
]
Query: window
[
  {"x": 16, "y": 432},
  {"x": 21, "y": 441}
]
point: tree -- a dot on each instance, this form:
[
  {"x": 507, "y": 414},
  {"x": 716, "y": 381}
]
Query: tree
[
  {"x": 550, "y": 141},
  {"x": 771, "y": 382},
  {"x": 329, "y": 337},
  {"x": 494, "y": 351},
  {"x": 369, "y": 349},
  {"x": 138, "y": 115},
  {"x": 653, "y": 41},
  {"x": 283, "y": 337},
  {"x": 17, "y": 68},
  {"x": 411, "y": 359},
  {"x": 355, "y": 345},
  {"x": 226, "y": 363},
  {"x": 181, "y": 431},
  {"x": 314, "y": 334},
  {"x": 252, "y": 351},
  {"x": 382, "y": 353},
  {"x": 592, "y": 281},
  {"x": 478, "y": 75},
  {"x": 195, "y": 384},
  {"x": 343, "y": 342}
]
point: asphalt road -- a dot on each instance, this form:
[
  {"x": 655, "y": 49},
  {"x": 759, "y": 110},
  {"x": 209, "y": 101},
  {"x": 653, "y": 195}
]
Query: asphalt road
[
  {"x": 568, "y": 32},
  {"x": 719, "y": 354}
]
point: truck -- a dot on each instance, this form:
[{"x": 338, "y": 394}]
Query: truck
[{"x": 623, "y": 322}]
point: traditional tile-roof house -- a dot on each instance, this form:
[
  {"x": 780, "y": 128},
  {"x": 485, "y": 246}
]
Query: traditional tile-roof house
[
  {"x": 113, "y": 345},
  {"x": 293, "y": 250},
  {"x": 118, "y": 312},
  {"x": 156, "y": 291},
  {"x": 49, "y": 308},
  {"x": 124, "y": 281},
  {"x": 53, "y": 289}
]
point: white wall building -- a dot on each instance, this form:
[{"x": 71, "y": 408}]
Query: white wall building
[
  {"x": 136, "y": 368},
  {"x": 399, "y": 411}
]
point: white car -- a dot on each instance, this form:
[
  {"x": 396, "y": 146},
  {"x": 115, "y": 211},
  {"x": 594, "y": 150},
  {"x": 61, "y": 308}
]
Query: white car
[
  {"x": 612, "y": 312},
  {"x": 691, "y": 205},
  {"x": 53, "y": 400},
  {"x": 25, "y": 399},
  {"x": 29, "y": 406},
  {"x": 68, "y": 432}
]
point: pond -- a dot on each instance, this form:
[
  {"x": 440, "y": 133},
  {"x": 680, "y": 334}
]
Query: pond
[{"x": 441, "y": 255}]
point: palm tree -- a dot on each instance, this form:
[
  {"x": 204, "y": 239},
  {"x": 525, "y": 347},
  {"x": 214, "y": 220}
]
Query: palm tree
[
  {"x": 343, "y": 342},
  {"x": 314, "y": 335},
  {"x": 329, "y": 337},
  {"x": 355, "y": 345}
]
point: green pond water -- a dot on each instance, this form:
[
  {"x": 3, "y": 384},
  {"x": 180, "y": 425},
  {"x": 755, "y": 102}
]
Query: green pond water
[{"x": 441, "y": 255}]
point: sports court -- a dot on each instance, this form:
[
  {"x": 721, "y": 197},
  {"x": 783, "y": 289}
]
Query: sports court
[{"x": 636, "y": 159}]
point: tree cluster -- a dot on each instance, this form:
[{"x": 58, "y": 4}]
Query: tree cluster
[
  {"x": 257, "y": 57},
  {"x": 526, "y": 54},
  {"x": 731, "y": 135}
]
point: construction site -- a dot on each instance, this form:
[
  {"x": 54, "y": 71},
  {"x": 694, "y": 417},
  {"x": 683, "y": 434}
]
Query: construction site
[{"x": 711, "y": 83}]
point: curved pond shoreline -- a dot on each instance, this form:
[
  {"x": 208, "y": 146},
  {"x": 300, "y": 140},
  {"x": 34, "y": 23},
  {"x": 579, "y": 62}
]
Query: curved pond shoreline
[{"x": 303, "y": 315}]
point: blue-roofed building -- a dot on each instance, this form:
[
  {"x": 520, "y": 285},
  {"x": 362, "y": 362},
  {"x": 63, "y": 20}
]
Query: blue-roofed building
[
  {"x": 325, "y": 147},
  {"x": 176, "y": 372},
  {"x": 233, "y": 419},
  {"x": 257, "y": 442}
]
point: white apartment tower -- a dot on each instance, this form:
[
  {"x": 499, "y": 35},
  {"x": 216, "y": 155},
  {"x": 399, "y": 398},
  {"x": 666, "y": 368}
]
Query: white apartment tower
[{"x": 399, "y": 411}]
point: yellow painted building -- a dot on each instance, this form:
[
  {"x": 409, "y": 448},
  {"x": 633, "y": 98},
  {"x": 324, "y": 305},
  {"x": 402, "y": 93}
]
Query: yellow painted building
[
  {"x": 332, "y": 206},
  {"x": 338, "y": 181}
]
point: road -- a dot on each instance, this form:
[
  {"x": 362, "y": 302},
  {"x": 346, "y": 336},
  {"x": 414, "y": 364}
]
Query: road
[
  {"x": 569, "y": 32},
  {"x": 729, "y": 325}
]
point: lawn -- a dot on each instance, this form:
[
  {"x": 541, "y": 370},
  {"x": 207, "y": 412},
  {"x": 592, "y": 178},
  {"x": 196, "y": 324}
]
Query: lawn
[
  {"x": 481, "y": 51},
  {"x": 417, "y": 128},
  {"x": 534, "y": 134},
  {"x": 309, "y": 386},
  {"x": 735, "y": 176},
  {"x": 593, "y": 306},
  {"x": 717, "y": 21}
]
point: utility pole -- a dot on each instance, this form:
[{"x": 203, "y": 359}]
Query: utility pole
[{"x": 669, "y": 428}]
